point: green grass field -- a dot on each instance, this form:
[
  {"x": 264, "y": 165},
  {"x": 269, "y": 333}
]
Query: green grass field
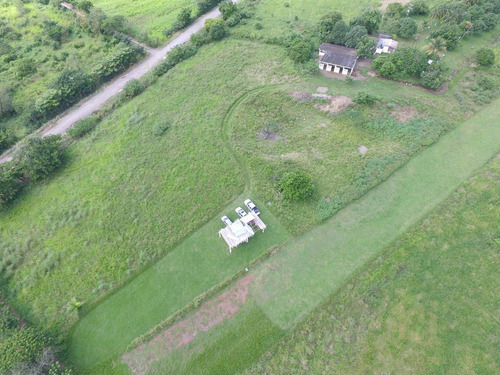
[
  {"x": 306, "y": 271},
  {"x": 147, "y": 16},
  {"x": 78, "y": 50},
  {"x": 428, "y": 304}
]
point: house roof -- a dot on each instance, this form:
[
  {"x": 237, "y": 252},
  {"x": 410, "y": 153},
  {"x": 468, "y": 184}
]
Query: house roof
[
  {"x": 382, "y": 42},
  {"x": 338, "y": 55}
]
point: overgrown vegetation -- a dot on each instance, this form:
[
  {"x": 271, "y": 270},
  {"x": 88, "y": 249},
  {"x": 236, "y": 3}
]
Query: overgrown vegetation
[{"x": 50, "y": 59}]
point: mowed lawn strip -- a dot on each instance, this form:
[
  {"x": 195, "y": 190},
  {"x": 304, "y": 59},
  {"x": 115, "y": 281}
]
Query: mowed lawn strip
[
  {"x": 193, "y": 267},
  {"x": 315, "y": 264},
  {"x": 428, "y": 304}
]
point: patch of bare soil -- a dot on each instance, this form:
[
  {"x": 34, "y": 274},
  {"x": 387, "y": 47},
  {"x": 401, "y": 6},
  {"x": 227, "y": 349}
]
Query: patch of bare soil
[
  {"x": 385, "y": 3},
  {"x": 268, "y": 135},
  {"x": 332, "y": 104},
  {"x": 336, "y": 104},
  {"x": 404, "y": 114},
  {"x": 210, "y": 314},
  {"x": 322, "y": 90}
]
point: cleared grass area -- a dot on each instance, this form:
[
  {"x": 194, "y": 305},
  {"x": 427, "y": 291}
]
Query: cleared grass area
[
  {"x": 428, "y": 304},
  {"x": 126, "y": 196},
  {"x": 197, "y": 264},
  {"x": 305, "y": 272},
  {"x": 147, "y": 16}
]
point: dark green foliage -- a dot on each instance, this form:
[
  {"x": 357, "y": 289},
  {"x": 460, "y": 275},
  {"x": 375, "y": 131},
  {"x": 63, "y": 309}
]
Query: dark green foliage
[
  {"x": 84, "y": 5},
  {"x": 395, "y": 10},
  {"x": 418, "y": 7},
  {"x": 23, "y": 345},
  {"x": 175, "y": 56},
  {"x": 228, "y": 9},
  {"x": 24, "y": 68},
  {"x": 9, "y": 186},
  {"x": 72, "y": 85},
  {"x": 183, "y": 19},
  {"x": 354, "y": 35},
  {"x": 402, "y": 63},
  {"x": 326, "y": 25},
  {"x": 407, "y": 28},
  {"x": 84, "y": 126},
  {"x": 433, "y": 77},
  {"x": 299, "y": 50},
  {"x": 296, "y": 186},
  {"x": 366, "y": 46},
  {"x": 6, "y": 106},
  {"x": 53, "y": 30},
  {"x": 490, "y": 21},
  {"x": 132, "y": 88},
  {"x": 206, "y": 5},
  {"x": 370, "y": 20},
  {"x": 116, "y": 62},
  {"x": 217, "y": 31},
  {"x": 161, "y": 128},
  {"x": 112, "y": 24},
  {"x": 364, "y": 97},
  {"x": 95, "y": 19},
  {"x": 5, "y": 139},
  {"x": 40, "y": 156},
  {"x": 450, "y": 33},
  {"x": 485, "y": 56},
  {"x": 338, "y": 33}
]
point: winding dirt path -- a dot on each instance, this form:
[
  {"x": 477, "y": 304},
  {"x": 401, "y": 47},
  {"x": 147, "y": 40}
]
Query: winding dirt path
[{"x": 93, "y": 103}]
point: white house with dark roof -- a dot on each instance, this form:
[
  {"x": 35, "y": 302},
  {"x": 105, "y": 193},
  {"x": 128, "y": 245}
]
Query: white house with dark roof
[{"x": 337, "y": 59}]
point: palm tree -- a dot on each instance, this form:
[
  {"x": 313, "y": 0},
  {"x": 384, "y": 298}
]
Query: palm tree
[{"x": 436, "y": 46}]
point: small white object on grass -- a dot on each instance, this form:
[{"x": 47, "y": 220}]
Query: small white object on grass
[
  {"x": 362, "y": 150},
  {"x": 246, "y": 269}
]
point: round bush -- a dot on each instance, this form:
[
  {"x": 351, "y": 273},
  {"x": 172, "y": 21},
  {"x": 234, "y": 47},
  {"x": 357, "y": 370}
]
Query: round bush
[
  {"x": 296, "y": 186},
  {"x": 485, "y": 56},
  {"x": 132, "y": 88},
  {"x": 160, "y": 128}
]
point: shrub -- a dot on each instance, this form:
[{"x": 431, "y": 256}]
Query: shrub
[
  {"x": 366, "y": 46},
  {"x": 84, "y": 5},
  {"x": 84, "y": 126},
  {"x": 9, "y": 184},
  {"x": 161, "y": 128},
  {"x": 132, "y": 88},
  {"x": 433, "y": 77},
  {"x": 485, "y": 56},
  {"x": 40, "y": 156},
  {"x": 354, "y": 35},
  {"x": 299, "y": 50},
  {"x": 258, "y": 26},
  {"x": 418, "y": 7},
  {"x": 364, "y": 97},
  {"x": 228, "y": 9},
  {"x": 407, "y": 28},
  {"x": 370, "y": 20},
  {"x": 115, "y": 62},
  {"x": 387, "y": 69},
  {"x": 217, "y": 31},
  {"x": 338, "y": 33},
  {"x": 205, "y": 5},
  {"x": 6, "y": 106},
  {"x": 449, "y": 32},
  {"x": 395, "y": 10},
  {"x": 53, "y": 30},
  {"x": 296, "y": 186},
  {"x": 23, "y": 345},
  {"x": 184, "y": 17},
  {"x": 24, "y": 68}
]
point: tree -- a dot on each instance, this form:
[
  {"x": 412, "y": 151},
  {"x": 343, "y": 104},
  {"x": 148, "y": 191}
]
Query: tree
[
  {"x": 370, "y": 19},
  {"x": 85, "y": 5},
  {"x": 6, "y": 106},
  {"x": 215, "y": 28},
  {"x": 490, "y": 21},
  {"x": 95, "y": 19},
  {"x": 407, "y": 28},
  {"x": 388, "y": 69},
  {"x": 436, "y": 47},
  {"x": 339, "y": 32},
  {"x": 184, "y": 17},
  {"x": 433, "y": 77},
  {"x": 354, "y": 34},
  {"x": 366, "y": 46},
  {"x": 326, "y": 24},
  {"x": 450, "y": 33},
  {"x": 228, "y": 9},
  {"x": 296, "y": 186},
  {"x": 299, "y": 50},
  {"x": 485, "y": 56},
  {"x": 395, "y": 10},
  {"x": 9, "y": 184},
  {"x": 53, "y": 30},
  {"x": 40, "y": 156},
  {"x": 417, "y": 7}
]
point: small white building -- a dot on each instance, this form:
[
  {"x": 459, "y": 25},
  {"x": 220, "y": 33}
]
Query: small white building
[
  {"x": 337, "y": 59},
  {"x": 385, "y": 44},
  {"x": 242, "y": 230}
]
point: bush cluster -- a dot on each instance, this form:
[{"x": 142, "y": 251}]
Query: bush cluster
[
  {"x": 410, "y": 62},
  {"x": 296, "y": 186},
  {"x": 364, "y": 97},
  {"x": 84, "y": 126}
]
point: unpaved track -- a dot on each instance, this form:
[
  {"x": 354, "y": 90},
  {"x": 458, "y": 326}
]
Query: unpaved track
[{"x": 94, "y": 102}]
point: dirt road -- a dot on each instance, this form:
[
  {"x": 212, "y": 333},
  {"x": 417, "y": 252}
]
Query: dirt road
[{"x": 94, "y": 102}]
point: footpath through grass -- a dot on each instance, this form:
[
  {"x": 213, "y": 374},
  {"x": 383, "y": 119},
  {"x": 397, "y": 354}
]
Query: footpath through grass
[
  {"x": 307, "y": 270},
  {"x": 429, "y": 304}
]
